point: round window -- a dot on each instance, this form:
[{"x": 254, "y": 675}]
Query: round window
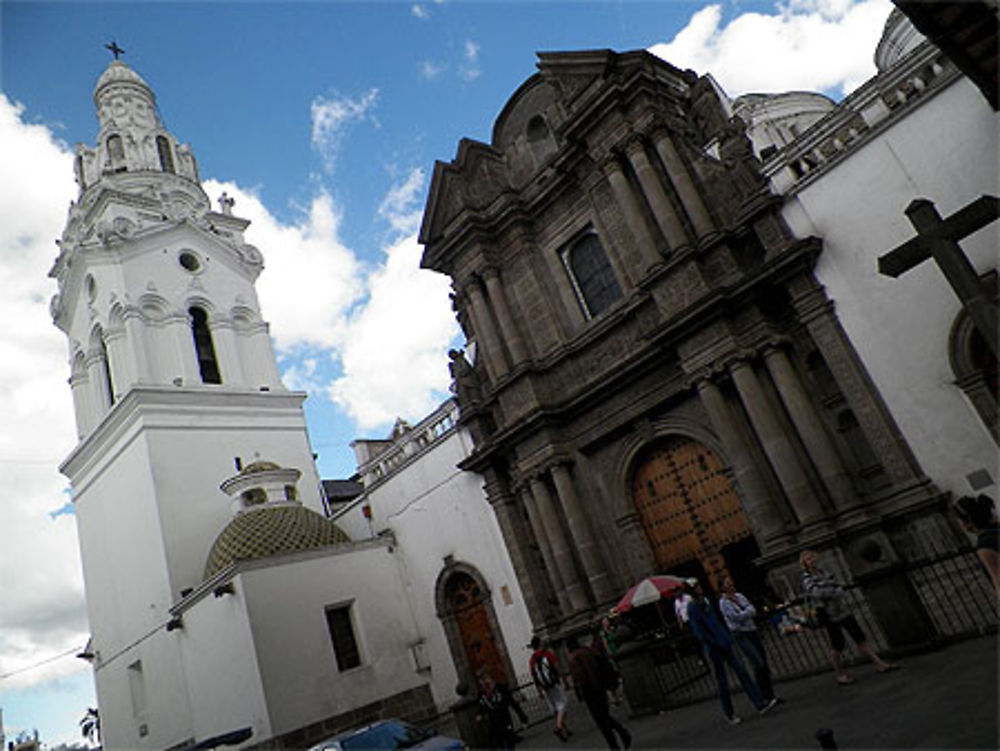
[{"x": 189, "y": 261}]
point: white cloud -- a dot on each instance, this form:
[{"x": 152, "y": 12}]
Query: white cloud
[
  {"x": 395, "y": 355},
  {"x": 431, "y": 70},
  {"x": 469, "y": 70},
  {"x": 310, "y": 278},
  {"x": 401, "y": 207},
  {"x": 330, "y": 118},
  {"x": 808, "y": 45},
  {"x": 420, "y": 11},
  {"x": 43, "y": 611}
]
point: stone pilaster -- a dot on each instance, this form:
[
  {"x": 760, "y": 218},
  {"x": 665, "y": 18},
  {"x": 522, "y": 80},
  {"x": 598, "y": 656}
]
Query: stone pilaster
[
  {"x": 227, "y": 351},
  {"x": 182, "y": 341},
  {"x": 809, "y": 425},
  {"x": 681, "y": 179},
  {"x": 663, "y": 210},
  {"x": 765, "y": 517},
  {"x": 515, "y": 536},
  {"x": 508, "y": 327},
  {"x": 777, "y": 446},
  {"x": 581, "y": 533},
  {"x": 137, "y": 342},
  {"x": 561, "y": 553},
  {"x": 554, "y": 579},
  {"x": 490, "y": 346},
  {"x": 632, "y": 212}
]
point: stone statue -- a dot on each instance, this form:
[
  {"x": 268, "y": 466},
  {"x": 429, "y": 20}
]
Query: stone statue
[
  {"x": 226, "y": 203},
  {"x": 736, "y": 153},
  {"x": 709, "y": 119},
  {"x": 465, "y": 381}
]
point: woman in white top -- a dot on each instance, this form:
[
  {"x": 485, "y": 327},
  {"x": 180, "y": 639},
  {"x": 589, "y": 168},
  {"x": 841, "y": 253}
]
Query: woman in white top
[{"x": 739, "y": 613}]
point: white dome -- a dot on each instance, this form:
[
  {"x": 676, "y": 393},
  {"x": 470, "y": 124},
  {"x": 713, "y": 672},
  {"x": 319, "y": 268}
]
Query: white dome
[{"x": 898, "y": 37}]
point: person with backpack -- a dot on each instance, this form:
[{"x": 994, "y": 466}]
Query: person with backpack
[
  {"x": 544, "y": 669},
  {"x": 593, "y": 676}
]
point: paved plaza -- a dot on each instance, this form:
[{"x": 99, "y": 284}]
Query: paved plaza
[{"x": 941, "y": 700}]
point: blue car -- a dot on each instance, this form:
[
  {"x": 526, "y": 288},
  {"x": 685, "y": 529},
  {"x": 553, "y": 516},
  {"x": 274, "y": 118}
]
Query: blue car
[{"x": 389, "y": 735}]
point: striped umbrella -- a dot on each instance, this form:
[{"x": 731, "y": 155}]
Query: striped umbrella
[{"x": 650, "y": 589}]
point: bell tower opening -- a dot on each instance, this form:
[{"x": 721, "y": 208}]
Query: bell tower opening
[{"x": 205, "y": 350}]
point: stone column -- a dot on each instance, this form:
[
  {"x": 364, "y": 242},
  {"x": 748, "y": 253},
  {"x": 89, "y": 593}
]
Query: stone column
[
  {"x": 119, "y": 361},
  {"x": 260, "y": 366},
  {"x": 227, "y": 351},
  {"x": 810, "y": 427},
  {"x": 183, "y": 358},
  {"x": 79, "y": 384},
  {"x": 632, "y": 212},
  {"x": 490, "y": 347},
  {"x": 778, "y": 448},
  {"x": 134, "y": 329},
  {"x": 498, "y": 301},
  {"x": 581, "y": 534},
  {"x": 554, "y": 579},
  {"x": 663, "y": 211},
  {"x": 680, "y": 178},
  {"x": 561, "y": 554},
  {"x": 764, "y": 515},
  {"x": 515, "y": 537},
  {"x": 97, "y": 377}
]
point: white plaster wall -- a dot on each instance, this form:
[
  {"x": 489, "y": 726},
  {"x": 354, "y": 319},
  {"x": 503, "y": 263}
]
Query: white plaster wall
[
  {"x": 946, "y": 151},
  {"x": 286, "y": 602},
  {"x": 435, "y": 510},
  {"x": 220, "y": 664}
]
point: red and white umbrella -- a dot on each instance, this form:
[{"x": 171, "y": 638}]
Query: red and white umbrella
[{"x": 650, "y": 589}]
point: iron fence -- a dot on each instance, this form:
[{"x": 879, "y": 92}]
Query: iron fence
[{"x": 952, "y": 586}]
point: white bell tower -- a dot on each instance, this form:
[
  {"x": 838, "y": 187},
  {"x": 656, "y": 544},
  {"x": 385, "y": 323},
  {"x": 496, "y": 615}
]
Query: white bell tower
[{"x": 173, "y": 377}]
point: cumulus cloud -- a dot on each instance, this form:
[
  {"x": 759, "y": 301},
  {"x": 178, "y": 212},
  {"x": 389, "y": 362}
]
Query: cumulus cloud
[
  {"x": 401, "y": 207},
  {"x": 469, "y": 70},
  {"x": 812, "y": 45},
  {"x": 419, "y": 11},
  {"x": 332, "y": 116},
  {"x": 310, "y": 277},
  {"x": 43, "y": 612},
  {"x": 395, "y": 356},
  {"x": 430, "y": 70}
]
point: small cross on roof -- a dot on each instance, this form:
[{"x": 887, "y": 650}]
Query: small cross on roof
[{"x": 115, "y": 49}]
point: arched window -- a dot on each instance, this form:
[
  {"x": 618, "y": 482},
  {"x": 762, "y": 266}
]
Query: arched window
[
  {"x": 104, "y": 365},
  {"x": 203, "y": 346},
  {"x": 976, "y": 371},
  {"x": 166, "y": 156},
  {"x": 116, "y": 153},
  {"x": 594, "y": 280}
]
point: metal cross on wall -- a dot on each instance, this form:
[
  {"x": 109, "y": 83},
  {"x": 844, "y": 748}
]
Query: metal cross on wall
[{"x": 938, "y": 238}]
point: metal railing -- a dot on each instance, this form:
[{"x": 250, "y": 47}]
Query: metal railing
[{"x": 954, "y": 589}]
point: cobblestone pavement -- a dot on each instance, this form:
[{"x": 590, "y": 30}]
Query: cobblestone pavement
[{"x": 941, "y": 700}]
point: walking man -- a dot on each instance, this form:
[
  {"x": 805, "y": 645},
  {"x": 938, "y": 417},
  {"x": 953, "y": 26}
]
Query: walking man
[
  {"x": 544, "y": 668},
  {"x": 591, "y": 681},
  {"x": 738, "y": 613},
  {"x": 718, "y": 646}
]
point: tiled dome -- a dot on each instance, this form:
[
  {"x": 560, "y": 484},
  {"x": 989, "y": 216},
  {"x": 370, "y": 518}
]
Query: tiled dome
[{"x": 271, "y": 530}]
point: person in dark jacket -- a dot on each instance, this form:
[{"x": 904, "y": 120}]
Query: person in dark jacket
[
  {"x": 717, "y": 642},
  {"x": 495, "y": 703},
  {"x": 591, "y": 684}
]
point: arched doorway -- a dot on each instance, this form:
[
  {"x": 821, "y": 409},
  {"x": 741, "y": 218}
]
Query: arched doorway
[
  {"x": 471, "y": 627},
  {"x": 690, "y": 511}
]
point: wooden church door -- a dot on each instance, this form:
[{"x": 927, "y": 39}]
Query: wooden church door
[
  {"x": 688, "y": 506},
  {"x": 466, "y": 601}
]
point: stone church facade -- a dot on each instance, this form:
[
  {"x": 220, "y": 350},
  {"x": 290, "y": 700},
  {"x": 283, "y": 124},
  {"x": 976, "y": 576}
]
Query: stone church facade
[{"x": 651, "y": 357}]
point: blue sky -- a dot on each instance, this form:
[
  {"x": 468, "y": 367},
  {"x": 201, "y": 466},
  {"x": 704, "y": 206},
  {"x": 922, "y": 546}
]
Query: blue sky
[{"x": 324, "y": 119}]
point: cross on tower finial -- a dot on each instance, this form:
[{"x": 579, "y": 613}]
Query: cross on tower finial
[{"x": 115, "y": 49}]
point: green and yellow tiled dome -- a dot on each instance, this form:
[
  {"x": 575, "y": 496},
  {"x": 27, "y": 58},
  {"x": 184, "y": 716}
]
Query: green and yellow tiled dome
[{"x": 271, "y": 530}]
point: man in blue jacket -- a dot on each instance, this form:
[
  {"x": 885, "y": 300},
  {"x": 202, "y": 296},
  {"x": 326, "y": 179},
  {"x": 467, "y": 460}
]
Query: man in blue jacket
[{"x": 718, "y": 644}]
